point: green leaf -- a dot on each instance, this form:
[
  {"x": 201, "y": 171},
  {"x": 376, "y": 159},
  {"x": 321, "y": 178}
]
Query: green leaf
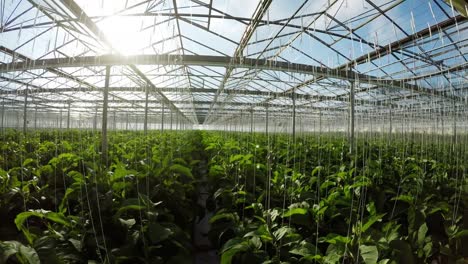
[
  {"x": 369, "y": 254},
  {"x": 28, "y": 254},
  {"x": 383, "y": 261},
  {"x": 296, "y": 211},
  {"x": 130, "y": 204},
  {"x": 58, "y": 218},
  {"x": 21, "y": 218},
  {"x": 231, "y": 243},
  {"x": 158, "y": 233},
  {"x": 305, "y": 249},
  {"x": 422, "y": 234},
  {"x": 334, "y": 254},
  {"x": 222, "y": 216},
  {"x": 235, "y": 247},
  {"x": 7, "y": 249},
  {"x": 25, "y": 254},
  {"x": 371, "y": 208},
  {"x": 316, "y": 170},
  {"x": 261, "y": 232},
  {"x": 235, "y": 158},
  {"x": 43, "y": 214},
  {"x": 120, "y": 172},
  {"x": 461, "y": 233},
  {"x": 257, "y": 242},
  {"x": 327, "y": 184},
  {"x": 371, "y": 221},
  {"x": 216, "y": 171},
  {"x": 404, "y": 198},
  {"x": 180, "y": 169},
  {"x": 427, "y": 249},
  {"x": 127, "y": 223},
  {"x": 279, "y": 234},
  {"x": 336, "y": 239},
  {"x": 28, "y": 161},
  {"x": 76, "y": 176},
  {"x": 62, "y": 206}
]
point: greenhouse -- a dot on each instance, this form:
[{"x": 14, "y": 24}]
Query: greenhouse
[{"x": 234, "y": 131}]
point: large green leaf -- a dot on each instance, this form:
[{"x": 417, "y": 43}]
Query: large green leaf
[
  {"x": 43, "y": 214},
  {"x": 334, "y": 254},
  {"x": 371, "y": 221},
  {"x": 369, "y": 254},
  {"x": 296, "y": 211}
]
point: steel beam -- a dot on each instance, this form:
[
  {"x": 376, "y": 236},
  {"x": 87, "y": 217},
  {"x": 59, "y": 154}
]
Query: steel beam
[{"x": 219, "y": 61}]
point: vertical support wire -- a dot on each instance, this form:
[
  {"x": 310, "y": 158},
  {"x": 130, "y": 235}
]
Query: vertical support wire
[
  {"x": 25, "y": 116},
  {"x": 351, "y": 118},
  {"x": 68, "y": 116},
  {"x": 145, "y": 124}
]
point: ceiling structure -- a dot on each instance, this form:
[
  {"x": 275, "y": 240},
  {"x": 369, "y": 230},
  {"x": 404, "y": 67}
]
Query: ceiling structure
[{"x": 213, "y": 60}]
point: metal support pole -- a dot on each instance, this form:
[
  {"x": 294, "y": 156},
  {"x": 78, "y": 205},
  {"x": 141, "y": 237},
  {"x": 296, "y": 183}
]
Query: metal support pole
[
  {"x": 35, "y": 117},
  {"x": 104, "y": 116},
  {"x": 25, "y": 116},
  {"x": 145, "y": 125},
  {"x": 162, "y": 117},
  {"x": 294, "y": 118},
  {"x": 60, "y": 119},
  {"x": 95, "y": 119},
  {"x": 454, "y": 136},
  {"x": 177, "y": 122},
  {"x": 3, "y": 114},
  {"x": 320, "y": 123},
  {"x": 114, "y": 124},
  {"x": 266, "y": 119},
  {"x": 126, "y": 124},
  {"x": 171, "y": 119},
  {"x": 351, "y": 118},
  {"x": 251, "y": 121},
  {"x": 68, "y": 116},
  {"x": 391, "y": 123}
]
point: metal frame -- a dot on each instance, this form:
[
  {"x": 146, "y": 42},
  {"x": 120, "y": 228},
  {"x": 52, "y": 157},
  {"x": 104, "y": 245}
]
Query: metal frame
[{"x": 195, "y": 80}]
